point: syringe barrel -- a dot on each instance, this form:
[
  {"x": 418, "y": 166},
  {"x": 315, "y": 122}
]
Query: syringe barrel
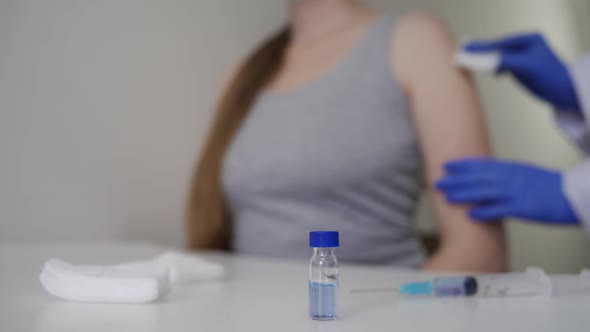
[
  {"x": 532, "y": 282},
  {"x": 454, "y": 286}
]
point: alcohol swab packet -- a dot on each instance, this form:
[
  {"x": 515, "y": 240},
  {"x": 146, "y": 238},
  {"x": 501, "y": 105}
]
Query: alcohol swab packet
[{"x": 182, "y": 268}]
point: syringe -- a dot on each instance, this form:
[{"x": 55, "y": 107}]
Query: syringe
[{"x": 532, "y": 282}]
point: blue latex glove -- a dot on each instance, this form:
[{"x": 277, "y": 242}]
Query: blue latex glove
[
  {"x": 498, "y": 189},
  {"x": 534, "y": 65}
]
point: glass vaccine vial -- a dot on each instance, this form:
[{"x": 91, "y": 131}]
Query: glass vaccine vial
[{"x": 323, "y": 276}]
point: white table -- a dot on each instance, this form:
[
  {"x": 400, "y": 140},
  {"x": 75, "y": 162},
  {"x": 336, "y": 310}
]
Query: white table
[{"x": 262, "y": 295}]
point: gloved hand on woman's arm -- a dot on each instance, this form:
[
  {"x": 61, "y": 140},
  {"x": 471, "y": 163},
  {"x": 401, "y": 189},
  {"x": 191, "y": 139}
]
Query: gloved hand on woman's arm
[{"x": 498, "y": 189}]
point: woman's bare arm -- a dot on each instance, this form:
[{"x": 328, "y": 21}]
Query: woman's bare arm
[{"x": 450, "y": 124}]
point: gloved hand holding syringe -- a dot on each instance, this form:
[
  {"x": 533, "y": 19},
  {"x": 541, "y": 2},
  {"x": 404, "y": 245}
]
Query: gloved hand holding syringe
[{"x": 533, "y": 282}]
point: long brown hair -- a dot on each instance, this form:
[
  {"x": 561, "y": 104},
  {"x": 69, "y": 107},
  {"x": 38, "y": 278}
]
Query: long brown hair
[{"x": 208, "y": 222}]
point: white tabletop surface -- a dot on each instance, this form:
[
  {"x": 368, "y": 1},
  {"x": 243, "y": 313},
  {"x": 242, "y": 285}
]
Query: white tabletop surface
[{"x": 261, "y": 295}]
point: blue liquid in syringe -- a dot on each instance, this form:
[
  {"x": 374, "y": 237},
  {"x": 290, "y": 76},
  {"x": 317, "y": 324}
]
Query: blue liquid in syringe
[{"x": 323, "y": 298}]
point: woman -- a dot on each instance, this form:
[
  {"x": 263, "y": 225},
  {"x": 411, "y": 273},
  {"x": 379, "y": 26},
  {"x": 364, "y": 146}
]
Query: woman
[{"x": 332, "y": 124}]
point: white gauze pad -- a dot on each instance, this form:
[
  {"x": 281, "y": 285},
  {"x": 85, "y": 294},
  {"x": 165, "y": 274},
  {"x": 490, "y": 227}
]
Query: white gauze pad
[
  {"x": 486, "y": 62},
  {"x": 106, "y": 284},
  {"x": 132, "y": 282}
]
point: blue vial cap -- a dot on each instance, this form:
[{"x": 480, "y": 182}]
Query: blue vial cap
[{"x": 324, "y": 239}]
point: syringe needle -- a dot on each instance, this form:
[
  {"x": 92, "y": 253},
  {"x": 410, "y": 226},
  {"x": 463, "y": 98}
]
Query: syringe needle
[{"x": 373, "y": 290}]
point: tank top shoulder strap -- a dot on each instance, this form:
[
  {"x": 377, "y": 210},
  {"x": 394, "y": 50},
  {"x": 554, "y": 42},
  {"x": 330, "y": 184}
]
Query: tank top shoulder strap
[{"x": 375, "y": 53}]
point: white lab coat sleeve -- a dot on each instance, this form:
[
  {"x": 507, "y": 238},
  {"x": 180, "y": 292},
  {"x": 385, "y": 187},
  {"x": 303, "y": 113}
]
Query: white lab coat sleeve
[
  {"x": 576, "y": 186},
  {"x": 576, "y": 126}
]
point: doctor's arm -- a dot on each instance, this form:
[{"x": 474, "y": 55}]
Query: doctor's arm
[
  {"x": 450, "y": 125},
  {"x": 532, "y": 62},
  {"x": 576, "y": 181},
  {"x": 576, "y": 125}
]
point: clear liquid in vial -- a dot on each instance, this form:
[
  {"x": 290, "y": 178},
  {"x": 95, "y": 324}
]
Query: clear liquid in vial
[{"x": 323, "y": 299}]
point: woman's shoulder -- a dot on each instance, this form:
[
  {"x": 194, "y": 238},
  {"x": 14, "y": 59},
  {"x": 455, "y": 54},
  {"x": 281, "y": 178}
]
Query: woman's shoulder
[
  {"x": 419, "y": 30},
  {"x": 420, "y": 20},
  {"x": 417, "y": 39}
]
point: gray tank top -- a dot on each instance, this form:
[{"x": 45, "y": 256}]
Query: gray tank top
[{"x": 340, "y": 153}]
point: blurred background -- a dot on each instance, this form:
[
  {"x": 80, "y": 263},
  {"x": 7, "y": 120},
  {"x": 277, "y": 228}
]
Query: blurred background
[{"x": 104, "y": 106}]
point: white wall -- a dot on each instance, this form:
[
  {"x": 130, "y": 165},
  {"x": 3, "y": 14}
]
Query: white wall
[{"x": 103, "y": 105}]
